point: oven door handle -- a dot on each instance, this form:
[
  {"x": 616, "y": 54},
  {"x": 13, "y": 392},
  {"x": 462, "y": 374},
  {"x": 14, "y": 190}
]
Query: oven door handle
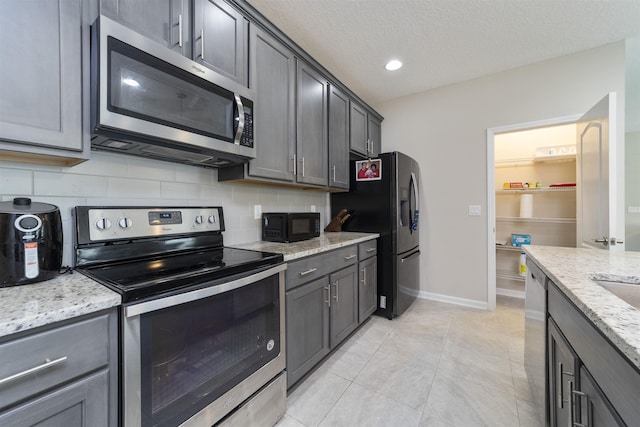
[{"x": 160, "y": 303}]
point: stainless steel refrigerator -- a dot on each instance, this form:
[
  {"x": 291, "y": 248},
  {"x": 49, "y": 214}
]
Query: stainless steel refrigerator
[{"x": 387, "y": 203}]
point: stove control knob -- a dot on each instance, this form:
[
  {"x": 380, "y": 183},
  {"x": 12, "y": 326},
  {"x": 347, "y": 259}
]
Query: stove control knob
[
  {"x": 212, "y": 219},
  {"x": 103, "y": 224},
  {"x": 125, "y": 222},
  {"x": 199, "y": 219}
]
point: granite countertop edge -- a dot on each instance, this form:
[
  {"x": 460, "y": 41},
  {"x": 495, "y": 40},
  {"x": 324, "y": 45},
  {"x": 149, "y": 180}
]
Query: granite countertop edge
[
  {"x": 573, "y": 269},
  {"x": 296, "y": 250},
  {"x": 64, "y": 297}
]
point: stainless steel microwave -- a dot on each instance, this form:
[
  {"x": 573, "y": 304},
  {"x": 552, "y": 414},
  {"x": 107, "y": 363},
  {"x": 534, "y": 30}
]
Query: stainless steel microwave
[
  {"x": 290, "y": 227},
  {"x": 150, "y": 101}
]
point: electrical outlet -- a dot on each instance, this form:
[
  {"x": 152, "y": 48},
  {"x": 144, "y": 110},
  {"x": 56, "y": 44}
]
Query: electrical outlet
[
  {"x": 313, "y": 208},
  {"x": 257, "y": 211},
  {"x": 474, "y": 210}
]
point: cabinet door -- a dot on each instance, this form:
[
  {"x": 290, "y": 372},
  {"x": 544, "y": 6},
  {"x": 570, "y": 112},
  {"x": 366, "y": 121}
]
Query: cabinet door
[
  {"x": 368, "y": 291},
  {"x": 358, "y": 135},
  {"x": 41, "y": 69},
  {"x": 338, "y": 139},
  {"x": 594, "y": 408},
  {"x": 166, "y": 22},
  {"x": 83, "y": 403},
  {"x": 307, "y": 328},
  {"x": 344, "y": 304},
  {"x": 312, "y": 141},
  {"x": 375, "y": 136},
  {"x": 220, "y": 39},
  {"x": 562, "y": 370},
  {"x": 273, "y": 78}
]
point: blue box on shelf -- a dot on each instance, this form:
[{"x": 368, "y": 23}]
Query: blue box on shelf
[{"x": 520, "y": 239}]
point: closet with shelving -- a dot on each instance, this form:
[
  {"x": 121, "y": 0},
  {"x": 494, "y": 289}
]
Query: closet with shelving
[{"x": 535, "y": 175}]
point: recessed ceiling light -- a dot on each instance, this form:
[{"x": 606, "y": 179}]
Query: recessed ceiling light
[{"x": 393, "y": 65}]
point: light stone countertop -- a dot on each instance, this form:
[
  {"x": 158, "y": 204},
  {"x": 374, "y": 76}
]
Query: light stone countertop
[
  {"x": 573, "y": 269},
  {"x": 326, "y": 242},
  {"x": 64, "y": 297}
]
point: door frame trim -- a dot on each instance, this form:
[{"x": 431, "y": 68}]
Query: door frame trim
[{"x": 491, "y": 192}]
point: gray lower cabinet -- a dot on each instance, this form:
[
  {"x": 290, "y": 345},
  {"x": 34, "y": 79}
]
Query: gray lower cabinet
[
  {"x": 321, "y": 307},
  {"x": 590, "y": 382},
  {"x": 62, "y": 376},
  {"x": 344, "y": 304},
  {"x": 166, "y": 22},
  {"x": 311, "y": 126},
  {"x": 367, "y": 279},
  {"x": 307, "y": 314},
  {"x": 41, "y": 117},
  {"x": 338, "y": 139},
  {"x": 220, "y": 39}
]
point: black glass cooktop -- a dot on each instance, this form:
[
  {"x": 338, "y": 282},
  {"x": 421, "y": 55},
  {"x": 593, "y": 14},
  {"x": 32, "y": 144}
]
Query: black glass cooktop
[{"x": 153, "y": 277}]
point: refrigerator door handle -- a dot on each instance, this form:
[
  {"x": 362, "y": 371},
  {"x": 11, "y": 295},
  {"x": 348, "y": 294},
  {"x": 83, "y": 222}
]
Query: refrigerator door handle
[
  {"x": 413, "y": 184},
  {"x": 411, "y": 255}
]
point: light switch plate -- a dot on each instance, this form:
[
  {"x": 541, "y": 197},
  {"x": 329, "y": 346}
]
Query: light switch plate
[
  {"x": 257, "y": 211},
  {"x": 313, "y": 208},
  {"x": 474, "y": 210},
  {"x": 633, "y": 209}
]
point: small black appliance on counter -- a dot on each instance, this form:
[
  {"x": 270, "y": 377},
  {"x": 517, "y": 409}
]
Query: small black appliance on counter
[
  {"x": 30, "y": 242},
  {"x": 290, "y": 227}
]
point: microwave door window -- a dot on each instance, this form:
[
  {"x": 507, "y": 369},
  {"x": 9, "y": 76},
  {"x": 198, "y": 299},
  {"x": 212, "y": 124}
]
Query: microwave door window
[{"x": 145, "y": 92}]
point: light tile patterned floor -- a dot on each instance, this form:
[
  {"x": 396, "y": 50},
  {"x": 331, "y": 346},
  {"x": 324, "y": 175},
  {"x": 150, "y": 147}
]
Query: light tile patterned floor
[{"x": 436, "y": 365}]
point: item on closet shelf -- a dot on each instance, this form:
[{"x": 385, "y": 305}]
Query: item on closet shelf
[
  {"x": 515, "y": 185},
  {"x": 563, "y": 184},
  {"x": 522, "y": 269},
  {"x": 526, "y": 205},
  {"x": 520, "y": 239},
  {"x": 501, "y": 242},
  {"x": 538, "y": 184}
]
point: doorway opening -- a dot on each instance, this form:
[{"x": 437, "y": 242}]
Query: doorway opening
[{"x": 531, "y": 176}]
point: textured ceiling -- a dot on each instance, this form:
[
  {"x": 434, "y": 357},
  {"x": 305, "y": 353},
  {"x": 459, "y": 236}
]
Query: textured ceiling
[{"x": 442, "y": 42}]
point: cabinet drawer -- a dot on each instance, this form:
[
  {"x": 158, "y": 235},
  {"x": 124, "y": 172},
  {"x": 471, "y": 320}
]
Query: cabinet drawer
[
  {"x": 315, "y": 266},
  {"x": 367, "y": 249},
  {"x": 41, "y": 361}
]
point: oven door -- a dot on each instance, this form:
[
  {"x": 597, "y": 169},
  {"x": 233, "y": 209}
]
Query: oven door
[{"x": 191, "y": 358}]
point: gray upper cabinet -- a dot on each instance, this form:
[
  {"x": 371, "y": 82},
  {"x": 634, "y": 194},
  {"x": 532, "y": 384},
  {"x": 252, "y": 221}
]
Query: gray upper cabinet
[
  {"x": 273, "y": 79},
  {"x": 366, "y": 136},
  {"x": 220, "y": 35},
  {"x": 358, "y": 137},
  {"x": 374, "y": 127},
  {"x": 166, "y": 22},
  {"x": 312, "y": 139},
  {"x": 41, "y": 85},
  {"x": 338, "y": 139}
]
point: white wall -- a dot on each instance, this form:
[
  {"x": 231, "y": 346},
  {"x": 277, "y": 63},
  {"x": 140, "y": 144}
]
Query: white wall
[
  {"x": 632, "y": 139},
  {"x": 445, "y": 130},
  {"x": 111, "y": 179}
]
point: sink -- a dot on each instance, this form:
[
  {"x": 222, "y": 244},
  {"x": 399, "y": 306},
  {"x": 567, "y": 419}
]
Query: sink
[{"x": 628, "y": 292}]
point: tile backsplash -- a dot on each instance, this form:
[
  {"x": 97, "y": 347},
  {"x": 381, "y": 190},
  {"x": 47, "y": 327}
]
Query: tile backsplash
[{"x": 110, "y": 180}]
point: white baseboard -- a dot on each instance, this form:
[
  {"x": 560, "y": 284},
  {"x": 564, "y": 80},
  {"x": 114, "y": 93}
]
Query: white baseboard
[
  {"x": 510, "y": 293},
  {"x": 482, "y": 305}
]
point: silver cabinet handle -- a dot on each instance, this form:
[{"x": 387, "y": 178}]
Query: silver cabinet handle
[
  {"x": 328, "y": 300},
  {"x": 335, "y": 296},
  {"x": 371, "y": 250},
  {"x": 580, "y": 395},
  {"x": 334, "y": 173},
  {"x": 347, "y": 258},
  {"x": 295, "y": 168},
  {"x": 180, "y": 30},
  {"x": 303, "y": 166},
  {"x": 311, "y": 270},
  {"x": 364, "y": 276},
  {"x": 48, "y": 364},
  {"x": 202, "y": 44}
]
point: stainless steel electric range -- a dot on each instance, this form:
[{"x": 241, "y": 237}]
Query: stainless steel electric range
[{"x": 202, "y": 325}]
